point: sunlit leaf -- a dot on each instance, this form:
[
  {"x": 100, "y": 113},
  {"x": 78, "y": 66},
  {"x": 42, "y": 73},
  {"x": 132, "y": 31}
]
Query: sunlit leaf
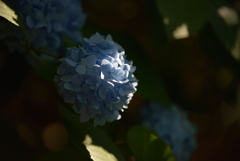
[
  {"x": 8, "y": 13},
  {"x": 190, "y": 13},
  {"x": 99, "y": 142},
  {"x": 147, "y": 146},
  {"x": 98, "y": 153}
]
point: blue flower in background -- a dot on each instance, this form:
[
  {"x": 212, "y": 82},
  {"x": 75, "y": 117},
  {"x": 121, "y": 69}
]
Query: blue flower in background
[
  {"x": 47, "y": 21},
  {"x": 173, "y": 126},
  {"x": 9, "y": 36},
  {"x": 97, "y": 79}
]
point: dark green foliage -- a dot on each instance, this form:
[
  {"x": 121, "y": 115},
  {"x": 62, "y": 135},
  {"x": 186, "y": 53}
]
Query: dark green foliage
[
  {"x": 78, "y": 131},
  {"x": 47, "y": 70},
  {"x": 147, "y": 146}
]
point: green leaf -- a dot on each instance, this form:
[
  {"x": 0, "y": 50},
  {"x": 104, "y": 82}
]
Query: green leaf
[
  {"x": 157, "y": 27},
  {"x": 68, "y": 153},
  {"x": 183, "y": 16},
  {"x": 8, "y": 13},
  {"x": 96, "y": 141},
  {"x": 216, "y": 51},
  {"x": 150, "y": 83},
  {"x": 225, "y": 23},
  {"x": 147, "y": 146},
  {"x": 67, "y": 42},
  {"x": 47, "y": 70}
]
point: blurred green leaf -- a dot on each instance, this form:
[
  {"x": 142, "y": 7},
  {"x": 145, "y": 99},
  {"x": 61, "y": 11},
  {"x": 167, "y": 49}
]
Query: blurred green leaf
[
  {"x": 157, "y": 27},
  {"x": 47, "y": 70},
  {"x": 225, "y": 22},
  {"x": 150, "y": 84},
  {"x": 176, "y": 13},
  {"x": 7, "y": 13},
  {"x": 147, "y": 146},
  {"x": 68, "y": 153},
  {"x": 78, "y": 133},
  {"x": 67, "y": 42},
  {"x": 216, "y": 51}
]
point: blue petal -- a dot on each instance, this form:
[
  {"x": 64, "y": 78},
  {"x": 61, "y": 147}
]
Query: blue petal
[
  {"x": 108, "y": 85},
  {"x": 84, "y": 62},
  {"x": 81, "y": 69},
  {"x": 61, "y": 71},
  {"x": 39, "y": 15},
  {"x": 69, "y": 98},
  {"x": 129, "y": 89},
  {"x": 121, "y": 92},
  {"x": 97, "y": 105},
  {"x": 77, "y": 88},
  {"x": 105, "y": 62},
  {"x": 93, "y": 71},
  {"x": 29, "y": 21},
  {"x": 49, "y": 27},
  {"x": 107, "y": 52},
  {"x": 102, "y": 93},
  {"x": 57, "y": 27},
  {"x": 84, "y": 116},
  {"x": 96, "y": 38},
  {"x": 87, "y": 40},
  {"x": 74, "y": 54},
  {"x": 66, "y": 78},
  {"x": 91, "y": 60},
  {"x": 109, "y": 37},
  {"x": 89, "y": 81},
  {"x": 80, "y": 97},
  {"x": 39, "y": 25},
  {"x": 76, "y": 109},
  {"x": 68, "y": 86},
  {"x": 86, "y": 89},
  {"x": 71, "y": 62},
  {"x": 108, "y": 101}
]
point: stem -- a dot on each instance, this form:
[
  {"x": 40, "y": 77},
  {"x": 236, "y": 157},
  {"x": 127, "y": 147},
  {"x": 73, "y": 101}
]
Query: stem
[
  {"x": 36, "y": 56},
  {"x": 45, "y": 52},
  {"x": 24, "y": 31},
  {"x": 28, "y": 43}
]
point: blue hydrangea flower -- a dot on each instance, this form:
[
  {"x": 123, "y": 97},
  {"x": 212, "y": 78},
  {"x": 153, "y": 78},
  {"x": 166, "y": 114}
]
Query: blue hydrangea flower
[
  {"x": 173, "y": 126},
  {"x": 97, "y": 79},
  {"x": 47, "y": 21}
]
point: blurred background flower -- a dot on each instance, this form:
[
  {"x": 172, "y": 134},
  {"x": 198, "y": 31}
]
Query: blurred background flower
[
  {"x": 173, "y": 127},
  {"x": 48, "y": 22}
]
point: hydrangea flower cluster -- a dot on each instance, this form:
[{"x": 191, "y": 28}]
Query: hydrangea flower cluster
[
  {"x": 47, "y": 20},
  {"x": 97, "y": 79},
  {"x": 173, "y": 127}
]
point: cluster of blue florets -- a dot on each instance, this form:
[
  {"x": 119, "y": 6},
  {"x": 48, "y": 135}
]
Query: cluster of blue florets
[
  {"x": 97, "y": 79},
  {"x": 173, "y": 126},
  {"x": 47, "y": 21}
]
